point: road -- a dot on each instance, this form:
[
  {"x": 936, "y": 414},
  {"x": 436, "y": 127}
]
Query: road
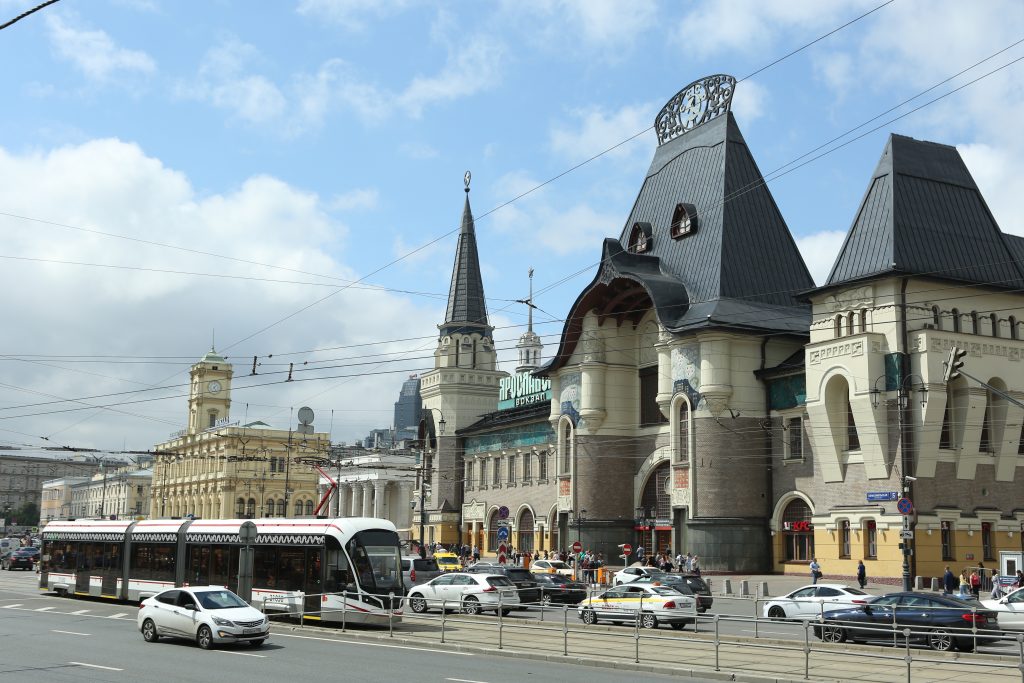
[{"x": 58, "y": 639}]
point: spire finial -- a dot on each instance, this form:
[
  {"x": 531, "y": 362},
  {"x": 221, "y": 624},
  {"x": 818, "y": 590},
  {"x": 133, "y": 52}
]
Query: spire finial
[
  {"x": 466, "y": 179},
  {"x": 529, "y": 306},
  {"x": 213, "y": 339}
]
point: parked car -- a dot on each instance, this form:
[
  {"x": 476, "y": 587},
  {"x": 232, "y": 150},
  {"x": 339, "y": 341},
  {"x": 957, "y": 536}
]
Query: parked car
[
  {"x": 472, "y": 593},
  {"x": 1010, "y": 610},
  {"x": 209, "y": 615},
  {"x": 22, "y": 558},
  {"x": 941, "y": 621},
  {"x": 448, "y": 562},
  {"x": 652, "y": 604},
  {"x": 687, "y": 584},
  {"x": 810, "y": 602},
  {"x": 417, "y": 570},
  {"x": 630, "y": 574},
  {"x": 559, "y": 588},
  {"x": 526, "y": 584},
  {"x": 550, "y": 567}
]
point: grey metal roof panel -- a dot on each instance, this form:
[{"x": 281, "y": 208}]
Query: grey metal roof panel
[
  {"x": 1016, "y": 246},
  {"x": 923, "y": 214},
  {"x": 466, "y": 305}
]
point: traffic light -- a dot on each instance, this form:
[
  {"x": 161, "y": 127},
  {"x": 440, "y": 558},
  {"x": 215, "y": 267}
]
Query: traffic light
[{"x": 954, "y": 363}]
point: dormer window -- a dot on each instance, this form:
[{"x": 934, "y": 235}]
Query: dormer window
[
  {"x": 684, "y": 221},
  {"x": 640, "y": 240}
]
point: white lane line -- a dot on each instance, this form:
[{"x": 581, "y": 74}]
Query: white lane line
[
  {"x": 95, "y": 666},
  {"x": 464, "y": 680},
  {"x": 71, "y": 633},
  {"x": 361, "y": 642},
  {"x": 12, "y": 606},
  {"x": 118, "y": 615},
  {"x": 43, "y": 609},
  {"x": 81, "y": 611},
  {"x": 240, "y": 654}
]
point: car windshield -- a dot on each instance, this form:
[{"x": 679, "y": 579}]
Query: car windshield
[
  {"x": 663, "y": 590},
  {"x": 558, "y": 564},
  {"x": 854, "y": 591},
  {"x": 219, "y": 599},
  {"x": 518, "y": 574},
  {"x": 375, "y": 555},
  {"x": 499, "y": 581},
  {"x": 555, "y": 578},
  {"x": 696, "y": 583}
]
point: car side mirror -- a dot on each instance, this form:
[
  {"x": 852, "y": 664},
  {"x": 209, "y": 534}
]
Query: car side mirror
[{"x": 190, "y": 607}]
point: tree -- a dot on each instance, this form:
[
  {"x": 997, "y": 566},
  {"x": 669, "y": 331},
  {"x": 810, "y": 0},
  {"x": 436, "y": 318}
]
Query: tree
[{"x": 26, "y": 515}]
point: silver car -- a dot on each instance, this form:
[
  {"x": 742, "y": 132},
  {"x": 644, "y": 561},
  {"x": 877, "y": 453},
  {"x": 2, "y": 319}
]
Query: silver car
[{"x": 418, "y": 570}]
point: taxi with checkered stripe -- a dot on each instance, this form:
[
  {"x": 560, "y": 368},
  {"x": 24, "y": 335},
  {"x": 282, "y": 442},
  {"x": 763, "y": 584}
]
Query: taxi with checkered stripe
[{"x": 650, "y": 604}]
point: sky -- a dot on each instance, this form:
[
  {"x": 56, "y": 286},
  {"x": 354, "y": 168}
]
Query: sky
[{"x": 285, "y": 180}]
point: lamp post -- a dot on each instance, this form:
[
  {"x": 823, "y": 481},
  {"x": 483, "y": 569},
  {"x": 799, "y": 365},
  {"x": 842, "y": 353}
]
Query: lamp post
[{"x": 423, "y": 474}]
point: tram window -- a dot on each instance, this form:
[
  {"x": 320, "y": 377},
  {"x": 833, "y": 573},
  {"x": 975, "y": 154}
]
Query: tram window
[
  {"x": 264, "y": 568},
  {"x": 153, "y": 561},
  {"x": 220, "y": 570},
  {"x": 338, "y": 573},
  {"x": 199, "y": 565},
  {"x": 291, "y": 569}
]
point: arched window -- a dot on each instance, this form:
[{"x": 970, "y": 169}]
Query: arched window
[
  {"x": 975, "y": 323},
  {"x": 240, "y": 507},
  {"x": 995, "y": 324},
  {"x": 309, "y": 508},
  {"x": 798, "y": 531},
  {"x": 525, "y": 529},
  {"x": 956, "y": 320},
  {"x": 268, "y": 508},
  {"x": 281, "y": 509},
  {"x": 566, "y": 447},
  {"x": 863, "y": 320},
  {"x": 298, "y": 508},
  {"x": 640, "y": 239},
  {"x": 1013, "y": 327},
  {"x": 684, "y": 432},
  {"x": 684, "y": 221},
  {"x": 250, "y": 507},
  {"x": 838, "y": 326},
  {"x": 492, "y": 531},
  {"x": 849, "y": 323},
  {"x": 936, "y": 318}
]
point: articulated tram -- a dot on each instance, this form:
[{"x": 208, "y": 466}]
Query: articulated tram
[{"x": 321, "y": 568}]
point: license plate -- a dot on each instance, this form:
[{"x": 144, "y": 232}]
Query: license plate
[{"x": 251, "y": 631}]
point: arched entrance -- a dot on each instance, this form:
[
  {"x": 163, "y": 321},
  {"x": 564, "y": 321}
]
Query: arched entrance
[
  {"x": 797, "y": 531},
  {"x": 655, "y": 524},
  {"x": 553, "y": 539},
  {"x": 492, "y": 531},
  {"x": 524, "y": 537}
]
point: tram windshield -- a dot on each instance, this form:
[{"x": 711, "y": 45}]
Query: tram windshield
[{"x": 377, "y": 561}]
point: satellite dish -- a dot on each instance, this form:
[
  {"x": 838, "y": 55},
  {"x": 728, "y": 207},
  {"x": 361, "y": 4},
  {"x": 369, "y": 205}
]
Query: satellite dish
[{"x": 305, "y": 415}]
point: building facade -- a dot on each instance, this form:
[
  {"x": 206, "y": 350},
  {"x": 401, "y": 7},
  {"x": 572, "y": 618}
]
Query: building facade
[
  {"x": 23, "y": 471},
  {"x": 408, "y": 410},
  {"x": 56, "y": 498},
  {"x": 220, "y": 469},
  {"x": 116, "y": 493},
  {"x": 373, "y": 484}
]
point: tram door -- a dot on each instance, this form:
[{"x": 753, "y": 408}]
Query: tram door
[{"x": 314, "y": 580}]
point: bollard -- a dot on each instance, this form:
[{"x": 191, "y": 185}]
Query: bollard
[
  {"x": 907, "y": 658},
  {"x": 807, "y": 649},
  {"x": 391, "y": 614},
  {"x": 444, "y": 612},
  {"x": 717, "y": 642},
  {"x": 565, "y": 630},
  {"x": 935, "y": 584},
  {"x": 974, "y": 627},
  {"x": 745, "y": 588},
  {"x": 727, "y": 587},
  {"x": 636, "y": 628},
  {"x": 764, "y": 589}
]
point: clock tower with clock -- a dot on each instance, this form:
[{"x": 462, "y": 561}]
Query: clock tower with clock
[{"x": 209, "y": 401}]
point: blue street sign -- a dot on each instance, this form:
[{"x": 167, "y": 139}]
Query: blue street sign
[
  {"x": 880, "y": 496},
  {"x": 503, "y": 512},
  {"x": 503, "y": 533},
  {"x": 905, "y": 507}
]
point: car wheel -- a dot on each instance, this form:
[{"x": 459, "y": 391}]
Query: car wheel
[
  {"x": 257, "y": 643},
  {"x": 776, "y": 612},
  {"x": 545, "y": 599},
  {"x": 505, "y": 612},
  {"x": 648, "y": 620},
  {"x": 678, "y": 625},
  {"x": 940, "y": 641},
  {"x": 589, "y": 617},
  {"x": 149, "y": 633},
  {"x": 418, "y": 604},
  {"x": 833, "y": 634},
  {"x": 204, "y": 637},
  {"x": 471, "y": 605}
]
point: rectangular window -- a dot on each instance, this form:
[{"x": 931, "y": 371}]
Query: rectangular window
[
  {"x": 986, "y": 541},
  {"x": 542, "y": 466},
  {"x": 871, "y": 541},
  {"x": 469, "y": 475},
  {"x": 852, "y": 438},
  {"x": 844, "y": 539},
  {"x": 496, "y": 472},
  {"x": 511, "y": 469},
  {"x": 527, "y": 466},
  {"x": 483, "y": 473},
  {"x": 947, "y": 541},
  {"x": 794, "y": 438},
  {"x": 650, "y": 413}
]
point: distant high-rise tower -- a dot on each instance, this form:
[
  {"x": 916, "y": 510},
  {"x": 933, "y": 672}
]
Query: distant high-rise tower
[
  {"x": 408, "y": 409},
  {"x": 529, "y": 346}
]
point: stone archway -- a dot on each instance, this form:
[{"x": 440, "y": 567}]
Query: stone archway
[{"x": 524, "y": 527}]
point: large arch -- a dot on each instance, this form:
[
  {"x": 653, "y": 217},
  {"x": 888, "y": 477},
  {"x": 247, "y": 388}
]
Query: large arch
[
  {"x": 526, "y": 522},
  {"x": 681, "y": 434},
  {"x": 491, "y": 529},
  {"x": 654, "y": 460},
  {"x": 565, "y": 434},
  {"x": 553, "y": 538},
  {"x": 791, "y": 524}
]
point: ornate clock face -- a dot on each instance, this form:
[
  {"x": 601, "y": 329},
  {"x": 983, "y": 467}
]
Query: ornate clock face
[{"x": 214, "y": 387}]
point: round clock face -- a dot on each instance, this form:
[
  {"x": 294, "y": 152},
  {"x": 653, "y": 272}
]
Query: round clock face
[{"x": 214, "y": 387}]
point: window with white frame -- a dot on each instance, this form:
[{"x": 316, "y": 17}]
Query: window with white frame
[
  {"x": 794, "y": 438},
  {"x": 542, "y": 466},
  {"x": 871, "y": 540},
  {"x": 527, "y": 466},
  {"x": 512, "y": 468},
  {"x": 844, "y": 538},
  {"x": 496, "y": 471}
]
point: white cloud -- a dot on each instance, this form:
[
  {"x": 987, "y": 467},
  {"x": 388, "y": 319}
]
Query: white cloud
[
  {"x": 470, "y": 68},
  {"x": 93, "y": 52},
  {"x": 750, "y": 100},
  {"x": 419, "y": 151},
  {"x": 819, "y": 251},
  {"x": 224, "y": 82},
  {"x": 362, "y": 198},
  {"x": 115, "y": 187},
  {"x": 596, "y": 130},
  {"x": 606, "y": 29},
  {"x": 351, "y": 14}
]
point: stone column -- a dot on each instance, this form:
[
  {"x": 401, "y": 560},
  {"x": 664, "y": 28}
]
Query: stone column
[
  {"x": 380, "y": 498},
  {"x": 342, "y": 504},
  {"x": 357, "y": 500},
  {"x": 476, "y": 537},
  {"x": 403, "y": 519},
  {"x": 367, "y": 499}
]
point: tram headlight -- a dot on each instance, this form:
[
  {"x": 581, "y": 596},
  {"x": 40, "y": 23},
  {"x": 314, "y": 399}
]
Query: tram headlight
[{"x": 222, "y": 622}]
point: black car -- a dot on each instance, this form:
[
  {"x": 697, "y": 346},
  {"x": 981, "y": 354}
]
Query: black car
[
  {"x": 526, "y": 584},
  {"x": 687, "y": 584},
  {"x": 559, "y": 588},
  {"x": 22, "y": 558},
  {"x": 941, "y": 621}
]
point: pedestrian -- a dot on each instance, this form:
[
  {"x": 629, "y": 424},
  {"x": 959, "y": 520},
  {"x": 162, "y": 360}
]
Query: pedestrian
[
  {"x": 815, "y": 570},
  {"x": 695, "y": 566},
  {"x": 949, "y": 582},
  {"x": 862, "y": 574},
  {"x": 996, "y": 590},
  {"x": 975, "y": 583},
  {"x": 964, "y": 584},
  {"x": 1020, "y": 579}
]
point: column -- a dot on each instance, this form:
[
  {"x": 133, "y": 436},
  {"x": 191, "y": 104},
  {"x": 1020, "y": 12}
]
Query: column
[
  {"x": 342, "y": 505},
  {"x": 367, "y": 499},
  {"x": 404, "y": 515},
  {"x": 357, "y": 501},
  {"x": 476, "y": 537},
  {"x": 379, "y": 498}
]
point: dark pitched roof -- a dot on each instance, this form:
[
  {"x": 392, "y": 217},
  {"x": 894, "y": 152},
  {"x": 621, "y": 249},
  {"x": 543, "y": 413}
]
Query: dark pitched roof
[
  {"x": 505, "y": 418},
  {"x": 1016, "y": 246},
  {"x": 923, "y": 215},
  {"x": 467, "y": 310},
  {"x": 739, "y": 269}
]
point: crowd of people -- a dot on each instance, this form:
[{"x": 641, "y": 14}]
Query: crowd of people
[{"x": 973, "y": 580}]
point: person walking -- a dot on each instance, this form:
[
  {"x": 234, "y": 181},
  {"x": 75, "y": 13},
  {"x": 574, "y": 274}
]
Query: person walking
[
  {"x": 1020, "y": 579},
  {"x": 965, "y": 584},
  {"x": 815, "y": 570},
  {"x": 949, "y": 582},
  {"x": 975, "y": 583},
  {"x": 862, "y": 574}
]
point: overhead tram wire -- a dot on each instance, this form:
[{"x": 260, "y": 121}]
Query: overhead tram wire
[{"x": 27, "y": 13}]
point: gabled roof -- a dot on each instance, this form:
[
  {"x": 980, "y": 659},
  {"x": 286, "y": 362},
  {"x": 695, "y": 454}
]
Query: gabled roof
[
  {"x": 739, "y": 269},
  {"x": 924, "y": 215},
  {"x": 467, "y": 310}
]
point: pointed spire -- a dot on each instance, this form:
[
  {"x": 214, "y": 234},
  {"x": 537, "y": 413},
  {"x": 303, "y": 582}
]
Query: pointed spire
[
  {"x": 529, "y": 307},
  {"x": 467, "y": 310},
  {"x": 530, "y": 346}
]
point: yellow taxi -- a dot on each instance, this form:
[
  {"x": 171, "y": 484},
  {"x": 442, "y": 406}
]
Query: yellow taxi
[
  {"x": 652, "y": 604},
  {"x": 448, "y": 562}
]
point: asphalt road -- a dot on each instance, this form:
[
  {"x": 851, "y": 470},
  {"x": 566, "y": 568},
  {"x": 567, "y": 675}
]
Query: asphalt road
[{"x": 46, "y": 638}]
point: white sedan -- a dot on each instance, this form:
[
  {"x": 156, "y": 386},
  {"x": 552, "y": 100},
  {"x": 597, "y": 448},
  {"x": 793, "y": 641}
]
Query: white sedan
[
  {"x": 1010, "y": 609},
  {"x": 551, "y": 567},
  {"x": 471, "y": 593},
  {"x": 652, "y": 604},
  {"x": 812, "y": 601},
  {"x": 209, "y": 615},
  {"x": 631, "y": 574}
]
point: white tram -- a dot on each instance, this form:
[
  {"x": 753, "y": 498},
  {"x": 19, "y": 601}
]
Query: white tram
[{"x": 323, "y": 569}]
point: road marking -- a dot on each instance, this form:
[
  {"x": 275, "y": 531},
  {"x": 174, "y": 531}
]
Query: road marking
[
  {"x": 12, "y": 606},
  {"x": 95, "y": 666},
  {"x": 71, "y": 633},
  {"x": 240, "y": 654},
  {"x": 118, "y": 615},
  {"x": 464, "y": 680},
  {"x": 43, "y": 609},
  {"x": 360, "y": 642},
  {"x": 81, "y": 611}
]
